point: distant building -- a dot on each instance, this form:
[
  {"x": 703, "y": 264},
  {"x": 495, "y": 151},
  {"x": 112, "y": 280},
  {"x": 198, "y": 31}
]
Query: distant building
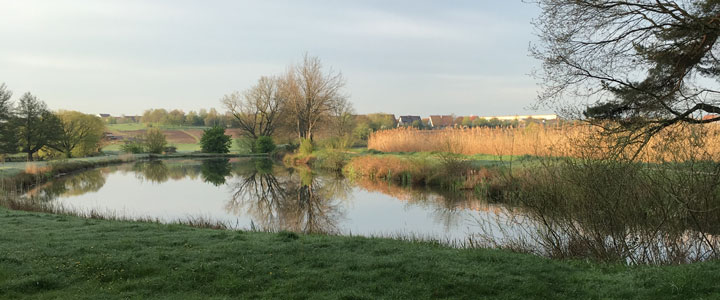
[
  {"x": 523, "y": 117},
  {"x": 710, "y": 117},
  {"x": 441, "y": 121},
  {"x": 407, "y": 120},
  {"x": 103, "y": 115}
]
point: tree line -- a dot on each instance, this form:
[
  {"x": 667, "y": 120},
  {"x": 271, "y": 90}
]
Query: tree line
[
  {"x": 177, "y": 117},
  {"x": 28, "y": 126}
]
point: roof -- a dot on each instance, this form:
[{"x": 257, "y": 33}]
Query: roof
[
  {"x": 441, "y": 121},
  {"x": 710, "y": 117},
  {"x": 409, "y": 119},
  {"x": 104, "y": 115}
]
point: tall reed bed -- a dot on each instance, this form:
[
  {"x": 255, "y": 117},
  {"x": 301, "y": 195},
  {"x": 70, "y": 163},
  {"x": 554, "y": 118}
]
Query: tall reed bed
[
  {"x": 569, "y": 141},
  {"x": 479, "y": 140}
]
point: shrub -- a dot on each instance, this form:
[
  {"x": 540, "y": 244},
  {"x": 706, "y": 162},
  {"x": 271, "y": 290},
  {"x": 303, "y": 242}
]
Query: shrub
[
  {"x": 214, "y": 140},
  {"x": 134, "y": 147},
  {"x": 306, "y": 147},
  {"x": 263, "y": 144},
  {"x": 332, "y": 160},
  {"x": 155, "y": 141}
]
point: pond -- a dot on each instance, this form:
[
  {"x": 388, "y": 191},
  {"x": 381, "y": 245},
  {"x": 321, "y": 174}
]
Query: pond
[{"x": 257, "y": 194}]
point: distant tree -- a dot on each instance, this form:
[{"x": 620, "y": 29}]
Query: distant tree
[
  {"x": 79, "y": 133},
  {"x": 311, "y": 95},
  {"x": 494, "y": 122},
  {"x": 260, "y": 110},
  {"x": 418, "y": 124},
  {"x": 362, "y": 130},
  {"x": 214, "y": 140},
  {"x": 37, "y": 127},
  {"x": 175, "y": 117},
  {"x": 154, "y": 140},
  {"x": 467, "y": 122},
  {"x": 480, "y": 122},
  {"x": 193, "y": 119},
  {"x": 8, "y": 137},
  {"x": 381, "y": 121},
  {"x": 212, "y": 118},
  {"x": 342, "y": 121}
]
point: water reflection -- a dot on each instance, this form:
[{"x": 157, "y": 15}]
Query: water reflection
[
  {"x": 656, "y": 232},
  {"x": 259, "y": 193},
  {"x": 296, "y": 200},
  {"x": 215, "y": 170},
  {"x": 82, "y": 183}
]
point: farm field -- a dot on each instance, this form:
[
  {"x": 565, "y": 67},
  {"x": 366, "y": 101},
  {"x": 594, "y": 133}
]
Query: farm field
[{"x": 185, "y": 138}]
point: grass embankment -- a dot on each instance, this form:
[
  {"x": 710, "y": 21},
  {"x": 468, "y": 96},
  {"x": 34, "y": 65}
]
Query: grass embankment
[{"x": 54, "y": 256}]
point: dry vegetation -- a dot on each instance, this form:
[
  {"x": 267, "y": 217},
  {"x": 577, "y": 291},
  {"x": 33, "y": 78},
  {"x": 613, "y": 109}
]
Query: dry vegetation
[{"x": 569, "y": 140}]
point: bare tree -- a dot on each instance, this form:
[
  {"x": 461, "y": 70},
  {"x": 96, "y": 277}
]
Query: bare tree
[
  {"x": 636, "y": 67},
  {"x": 343, "y": 121},
  {"x": 259, "y": 111},
  {"x": 311, "y": 95}
]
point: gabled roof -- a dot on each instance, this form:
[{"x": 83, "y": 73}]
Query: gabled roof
[
  {"x": 408, "y": 119},
  {"x": 441, "y": 121}
]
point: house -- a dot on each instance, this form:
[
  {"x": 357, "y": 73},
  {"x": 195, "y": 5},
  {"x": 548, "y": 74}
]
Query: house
[
  {"x": 103, "y": 115},
  {"x": 710, "y": 117},
  {"x": 523, "y": 117},
  {"x": 441, "y": 121},
  {"x": 403, "y": 121}
]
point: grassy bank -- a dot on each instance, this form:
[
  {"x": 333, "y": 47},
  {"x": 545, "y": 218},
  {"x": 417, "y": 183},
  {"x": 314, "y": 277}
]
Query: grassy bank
[
  {"x": 52, "y": 256},
  {"x": 450, "y": 171}
]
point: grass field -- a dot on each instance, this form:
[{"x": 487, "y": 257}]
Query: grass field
[
  {"x": 143, "y": 126},
  {"x": 47, "y": 256}
]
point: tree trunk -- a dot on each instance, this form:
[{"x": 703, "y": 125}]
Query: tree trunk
[{"x": 30, "y": 156}]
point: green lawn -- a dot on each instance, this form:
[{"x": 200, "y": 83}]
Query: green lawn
[{"x": 46, "y": 256}]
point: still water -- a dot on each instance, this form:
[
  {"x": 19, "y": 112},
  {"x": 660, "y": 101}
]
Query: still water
[{"x": 261, "y": 195}]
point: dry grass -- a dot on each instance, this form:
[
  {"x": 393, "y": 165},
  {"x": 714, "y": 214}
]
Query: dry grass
[
  {"x": 34, "y": 169},
  {"x": 569, "y": 141}
]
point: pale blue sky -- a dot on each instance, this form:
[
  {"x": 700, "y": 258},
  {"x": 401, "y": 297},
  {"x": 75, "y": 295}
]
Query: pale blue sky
[{"x": 402, "y": 57}]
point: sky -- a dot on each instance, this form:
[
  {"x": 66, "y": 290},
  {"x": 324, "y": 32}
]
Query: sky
[{"x": 402, "y": 57}]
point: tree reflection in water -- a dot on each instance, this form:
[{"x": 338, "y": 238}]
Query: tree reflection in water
[
  {"x": 295, "y": 200},
  {"x": 215, "y": 170},
  {"x": 155, "y": 171},
  {"x": 77, "y": 184}
]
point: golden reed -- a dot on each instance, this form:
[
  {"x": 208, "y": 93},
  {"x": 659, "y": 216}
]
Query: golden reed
[{"x": 570, "y": 140}]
